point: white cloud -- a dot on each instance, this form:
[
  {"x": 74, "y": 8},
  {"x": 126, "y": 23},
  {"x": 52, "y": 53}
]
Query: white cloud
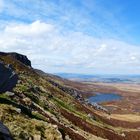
[
  {"x": 54, "y": 50},
  {"x": 90, "y": 16},
  {"x": 36, "y": 28}
]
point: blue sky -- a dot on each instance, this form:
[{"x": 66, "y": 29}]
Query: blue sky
[{"x": 74, "y": 36}]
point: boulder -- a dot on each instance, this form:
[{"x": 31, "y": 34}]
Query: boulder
[
  {"x": 8, "y": 93},
  {"x": 4, "y": 132},
  {"x": 8, "y": 78}
]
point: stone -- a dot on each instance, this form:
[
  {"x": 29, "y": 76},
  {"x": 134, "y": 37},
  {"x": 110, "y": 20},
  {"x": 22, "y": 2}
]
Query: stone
[
  {"x": 18, "y": 110},
  {"x": 27, "y": 101},
  {"x": 36, "y": 137},
  {"x": 8, "y": 93},
  {"x": 123, "y": 135},
  {"x": 67, "y": 137}
]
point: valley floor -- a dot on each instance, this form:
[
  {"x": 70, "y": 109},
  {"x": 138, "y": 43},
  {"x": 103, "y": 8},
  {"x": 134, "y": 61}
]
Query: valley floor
[{"x": 125, "y": 109}]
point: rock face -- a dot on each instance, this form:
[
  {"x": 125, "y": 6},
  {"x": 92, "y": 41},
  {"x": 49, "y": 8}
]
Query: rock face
[
  {"x": 22, "y": 58},
  {"x": 8, "y": 78},
  {"x": 4, "y": 132}
]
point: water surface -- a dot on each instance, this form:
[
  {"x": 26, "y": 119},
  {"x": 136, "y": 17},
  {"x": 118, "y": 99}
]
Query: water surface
[{"x": 103, "y": 97}]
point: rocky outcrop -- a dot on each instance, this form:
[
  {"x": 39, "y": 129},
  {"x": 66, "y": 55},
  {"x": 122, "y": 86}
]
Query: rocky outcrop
[
  {"x": 4, "y": 132},
  {"x": 22, "y": 58},
  {"x": 8, "y": 78},
  {"x": 71, "y": 91}
]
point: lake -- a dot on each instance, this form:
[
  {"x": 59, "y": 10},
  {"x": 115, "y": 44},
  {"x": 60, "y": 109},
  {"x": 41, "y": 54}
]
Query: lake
[{"x": 103, "y": 97}]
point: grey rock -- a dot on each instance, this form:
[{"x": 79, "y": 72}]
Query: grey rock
[
  {"x": 4, "y": 132},
  {"x": 8, "y": 78},
  {"x": 8, "y": 93},
  {"x": 18, "y": 110}
]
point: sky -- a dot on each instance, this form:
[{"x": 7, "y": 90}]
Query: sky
[{"x": 74, "y": 36}]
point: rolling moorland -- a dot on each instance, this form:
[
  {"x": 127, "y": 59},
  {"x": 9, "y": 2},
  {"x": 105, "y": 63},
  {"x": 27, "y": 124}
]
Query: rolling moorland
[{"x": 39, "y": 106}]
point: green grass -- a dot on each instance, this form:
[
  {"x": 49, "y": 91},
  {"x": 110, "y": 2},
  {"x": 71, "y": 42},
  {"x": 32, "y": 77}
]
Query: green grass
[
  {"x": 38, "y": 116},
  {"x": 64, "y": 105},
  {"x": 70, "y": 108}
]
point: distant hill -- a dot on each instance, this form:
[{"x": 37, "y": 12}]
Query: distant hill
[{"x": 101, "y": 78}]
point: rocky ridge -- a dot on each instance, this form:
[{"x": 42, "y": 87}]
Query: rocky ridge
[{"x": 22, "y": 58}]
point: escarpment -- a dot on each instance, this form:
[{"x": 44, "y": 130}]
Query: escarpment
[{"x": 22, "y": 58}]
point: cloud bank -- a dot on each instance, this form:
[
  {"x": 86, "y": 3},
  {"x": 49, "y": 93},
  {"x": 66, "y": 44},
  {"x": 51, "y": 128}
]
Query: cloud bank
[{"x": 54, "y": 50}]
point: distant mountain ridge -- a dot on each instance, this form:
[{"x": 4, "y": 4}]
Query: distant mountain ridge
[{"x": 101, "y": 78}]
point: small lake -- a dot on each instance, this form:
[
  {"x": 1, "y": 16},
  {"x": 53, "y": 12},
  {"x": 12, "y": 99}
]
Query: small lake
[{"x": 103, "y": 97}]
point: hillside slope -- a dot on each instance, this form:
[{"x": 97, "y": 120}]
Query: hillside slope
[{"x": 42, "y": 107}]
